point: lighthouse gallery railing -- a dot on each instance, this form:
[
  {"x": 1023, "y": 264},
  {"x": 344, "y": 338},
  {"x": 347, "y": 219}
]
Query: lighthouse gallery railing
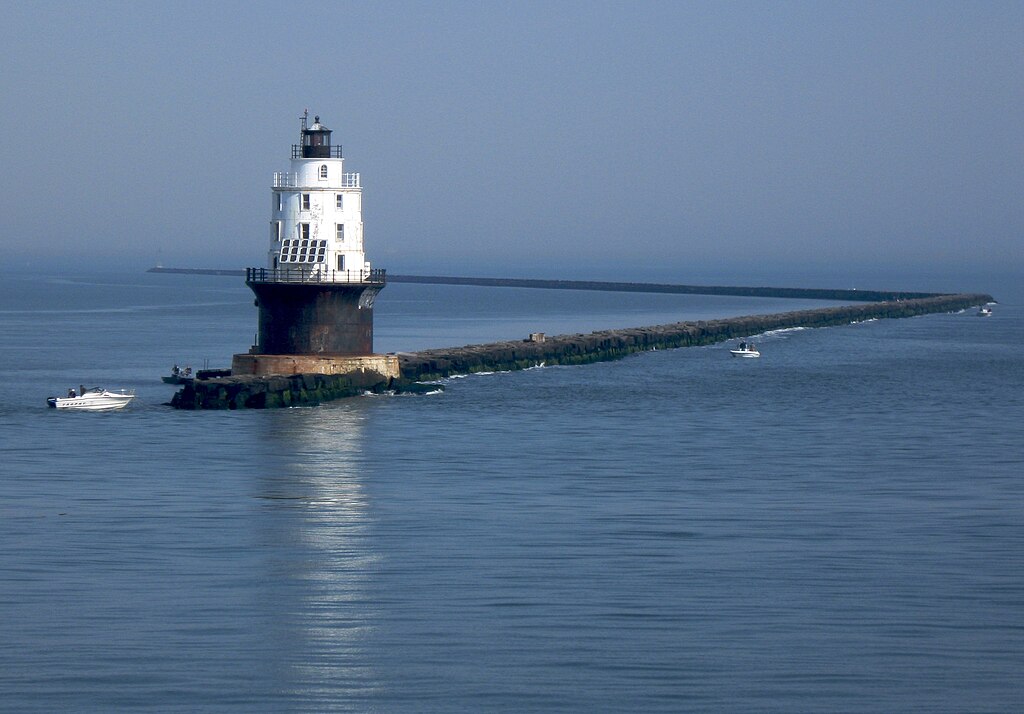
[
  {"x": 305, "y": 275},
  {"x": 290, "y": 179}
]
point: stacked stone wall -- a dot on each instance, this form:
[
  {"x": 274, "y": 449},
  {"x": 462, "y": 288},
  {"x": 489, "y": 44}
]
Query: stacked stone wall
[
  {"x": 614, "y": 344},
  {"x": 251, "y": 392}
]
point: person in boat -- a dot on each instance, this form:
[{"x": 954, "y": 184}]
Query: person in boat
[
  {"x": 175, "y": 370},
  {"x": 71, "y": 392},
  {"x": 188, "y": 371}
]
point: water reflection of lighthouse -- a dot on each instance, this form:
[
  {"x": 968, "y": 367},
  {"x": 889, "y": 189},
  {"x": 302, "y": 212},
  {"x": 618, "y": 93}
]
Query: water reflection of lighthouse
[
  {"x": 318, "y": 520},
  {"x": 315, "y": 296}
]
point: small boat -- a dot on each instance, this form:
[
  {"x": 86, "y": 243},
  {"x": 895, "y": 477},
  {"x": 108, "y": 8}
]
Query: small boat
[
  {"x": 985, "y": 312},
  {"x": 92, "y": 400},
  {"x": 745, "y": 350},
  {"x": 178, "y": 376}
]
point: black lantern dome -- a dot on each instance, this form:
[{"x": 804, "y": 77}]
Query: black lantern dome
[{"x": 316, "y": 141}]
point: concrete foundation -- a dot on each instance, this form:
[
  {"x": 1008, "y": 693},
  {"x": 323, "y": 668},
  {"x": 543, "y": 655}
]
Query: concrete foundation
[{"x": 261, "y": 365}]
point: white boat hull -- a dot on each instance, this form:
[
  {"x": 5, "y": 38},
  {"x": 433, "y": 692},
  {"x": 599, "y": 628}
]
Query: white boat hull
[
  {"x": 96, "y": 401},
  {"x": 745, "y": 349}
]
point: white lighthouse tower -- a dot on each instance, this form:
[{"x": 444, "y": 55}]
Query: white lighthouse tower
[
  {"x": 316, "y": 224},
  {"x": 315, "y": 297}
]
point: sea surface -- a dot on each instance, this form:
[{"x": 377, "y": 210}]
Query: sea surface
[{"x": 836, "y": 527}]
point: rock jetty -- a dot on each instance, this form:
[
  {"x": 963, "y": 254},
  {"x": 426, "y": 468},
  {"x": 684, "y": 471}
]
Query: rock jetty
[
  {"x": 614, "y": 344},
  {"x": 294, "y": 390},
  {"x": 250, "y": 392}
]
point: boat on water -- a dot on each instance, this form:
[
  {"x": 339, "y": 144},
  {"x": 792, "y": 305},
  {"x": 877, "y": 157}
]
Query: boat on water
[
  {"x": 95, "y": 399},
  {"x": 985, "y": 312},
  {"x": 745, "y": 350},
  {"x": 178, "y": 376}
]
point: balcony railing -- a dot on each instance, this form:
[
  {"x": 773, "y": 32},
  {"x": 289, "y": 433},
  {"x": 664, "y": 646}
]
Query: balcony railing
[
  {"x": 285, "y": 179},
  {"x": 316, "y": 152},
  {"x": 290, "y": 179},
  {"x": 314, "y": 276}
]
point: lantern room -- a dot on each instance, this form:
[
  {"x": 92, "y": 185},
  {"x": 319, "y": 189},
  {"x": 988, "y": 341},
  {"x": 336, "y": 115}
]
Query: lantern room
[{"x": 315, "y": 142}]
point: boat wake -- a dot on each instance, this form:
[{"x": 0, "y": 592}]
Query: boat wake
[
  {"x": 395, "y": 393},
  {"x": 490, "y": 373},
  {"x": 120, "y": 310},
  {"x": 782, "y": 332}
]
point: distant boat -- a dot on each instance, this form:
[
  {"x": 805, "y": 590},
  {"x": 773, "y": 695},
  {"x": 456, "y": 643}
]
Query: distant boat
[
  {"x": 92, "y": 400},
  {"x": 175, "y": 379},
  {"x": 178, "y": 376},
  {"x": 985, "y": 312},
  {"x": 745, "y": 350}
]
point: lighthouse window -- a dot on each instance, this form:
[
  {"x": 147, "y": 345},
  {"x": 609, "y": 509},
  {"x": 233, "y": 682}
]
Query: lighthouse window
[
  {"x": 305, "y": 202},
  {"x": 303, "y": 230},
  {"x": 323, "y": 172},
  {"x": 340, "y": 231},
  {"x": 341, "y": 262},
  {"x": 338, "y": 201}
]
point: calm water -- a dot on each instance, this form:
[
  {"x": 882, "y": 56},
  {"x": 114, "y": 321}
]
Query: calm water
[{"x": 838, "y": 526}]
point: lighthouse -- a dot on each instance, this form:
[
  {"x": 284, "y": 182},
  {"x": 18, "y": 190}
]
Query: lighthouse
[{"x": 315, "y": 296}]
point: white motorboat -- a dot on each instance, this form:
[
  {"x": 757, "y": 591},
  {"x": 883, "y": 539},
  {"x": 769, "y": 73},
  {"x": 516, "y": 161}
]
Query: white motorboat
[
  {"x": 92, "y": 400},
  {"x": 985, "y": 312},
  {"x": 745, "y": 350}
]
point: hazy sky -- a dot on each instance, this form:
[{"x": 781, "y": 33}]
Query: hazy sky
[{"x": 650, "y": 140}]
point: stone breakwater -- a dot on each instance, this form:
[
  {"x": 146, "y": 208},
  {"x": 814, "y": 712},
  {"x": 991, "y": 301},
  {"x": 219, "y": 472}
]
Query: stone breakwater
[
  {"x": 672, "y": 288},
  {"x": 615, "y": 344},
  {"x": 669, "y": 288},
  {"x": 256, "y": 392},
  {"x": 295, "y": 390}
]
